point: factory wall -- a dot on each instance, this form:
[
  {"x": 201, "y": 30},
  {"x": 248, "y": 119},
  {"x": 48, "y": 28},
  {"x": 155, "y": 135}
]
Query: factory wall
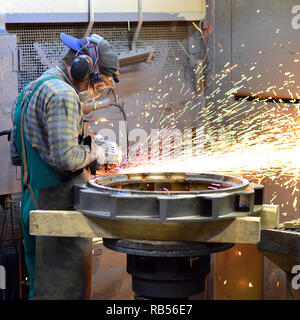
[
  {"x": 38, "y": 6},
  {"x": 9, "y": 175},
  {"x": 117, "y": 10},
  {"x": 260, "y": 41}
]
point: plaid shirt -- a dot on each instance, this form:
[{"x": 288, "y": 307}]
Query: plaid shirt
[{"x": 53, "y": 124}]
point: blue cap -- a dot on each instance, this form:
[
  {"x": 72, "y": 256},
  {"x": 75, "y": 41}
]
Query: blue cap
[
  {"x": 70, "y": 41},
  {"x": 108, "y": 61}
]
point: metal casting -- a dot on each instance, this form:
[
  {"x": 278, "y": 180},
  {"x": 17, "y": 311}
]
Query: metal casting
[{"x": 173, "y": 196}]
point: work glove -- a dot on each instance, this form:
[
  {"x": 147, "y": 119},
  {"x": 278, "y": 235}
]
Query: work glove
[{"x": 97, "y": 152}]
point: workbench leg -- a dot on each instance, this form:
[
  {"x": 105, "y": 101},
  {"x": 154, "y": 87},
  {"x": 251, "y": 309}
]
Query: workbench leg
[{"x": 63, "y": 268}]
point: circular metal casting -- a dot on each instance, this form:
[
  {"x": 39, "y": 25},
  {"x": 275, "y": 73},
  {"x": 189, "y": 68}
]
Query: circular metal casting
[
  {"x": 168, "y": 183},
  {"x": 168, "y": 197}
]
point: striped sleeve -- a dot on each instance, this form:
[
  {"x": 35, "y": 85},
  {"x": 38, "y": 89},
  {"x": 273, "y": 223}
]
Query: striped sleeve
[{"x": 63, "y": 126}]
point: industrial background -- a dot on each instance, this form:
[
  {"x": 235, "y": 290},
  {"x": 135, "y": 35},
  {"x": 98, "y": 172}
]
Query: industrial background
[{"x": 259, "y": 39}]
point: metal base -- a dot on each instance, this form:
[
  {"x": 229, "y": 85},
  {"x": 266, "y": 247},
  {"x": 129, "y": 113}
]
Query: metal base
[
  {"x": 166, "y": 269},
  {"x": 156, "y": 277}
]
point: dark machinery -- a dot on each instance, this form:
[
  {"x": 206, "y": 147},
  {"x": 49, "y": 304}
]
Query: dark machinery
[{"x": 168, "y": 269}]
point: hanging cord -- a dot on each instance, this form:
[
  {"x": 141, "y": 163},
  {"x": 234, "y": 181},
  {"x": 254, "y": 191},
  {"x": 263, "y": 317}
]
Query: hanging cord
[{"x": 121, "y": 107}]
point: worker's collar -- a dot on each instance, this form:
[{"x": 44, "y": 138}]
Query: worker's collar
[{"x": 62, "y": 69}]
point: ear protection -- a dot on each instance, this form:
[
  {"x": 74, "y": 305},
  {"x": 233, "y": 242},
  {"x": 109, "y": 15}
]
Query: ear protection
[{"x": 82, "y": 65}]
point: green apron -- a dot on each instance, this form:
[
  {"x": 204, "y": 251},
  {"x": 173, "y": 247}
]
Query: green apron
[
  {"x": 41, "y": 175},
  {"x": 61, "y": 268}
]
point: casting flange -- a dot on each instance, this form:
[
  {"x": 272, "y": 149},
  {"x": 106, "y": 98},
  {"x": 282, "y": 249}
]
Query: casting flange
[{"x": 168, "y": 197}]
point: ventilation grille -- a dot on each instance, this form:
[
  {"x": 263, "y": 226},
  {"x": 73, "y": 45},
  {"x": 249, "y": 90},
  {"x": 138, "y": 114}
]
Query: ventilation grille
[{"x": 40, "y": 47}]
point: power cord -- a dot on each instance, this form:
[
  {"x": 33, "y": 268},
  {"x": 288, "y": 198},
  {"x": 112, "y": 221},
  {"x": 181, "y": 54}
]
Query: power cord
[{"x": 121, "y": 107}]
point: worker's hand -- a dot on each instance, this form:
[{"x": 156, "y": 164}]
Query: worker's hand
[
  {"x": 98, "y": 157},
  {"x": 97, "y": 152}
]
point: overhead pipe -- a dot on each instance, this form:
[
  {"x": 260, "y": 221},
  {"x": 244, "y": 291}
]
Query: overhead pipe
[
  {"x": 139, "y": 26},
  {"x": 91, "y": 18}
]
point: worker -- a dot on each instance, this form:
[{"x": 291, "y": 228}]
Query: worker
[{"x": 48, "y": 139}]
